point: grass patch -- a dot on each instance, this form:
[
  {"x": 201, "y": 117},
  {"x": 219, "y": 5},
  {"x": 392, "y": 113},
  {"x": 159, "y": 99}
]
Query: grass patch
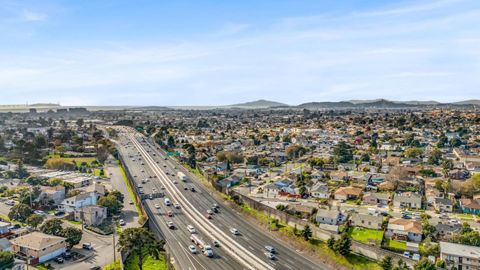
[
  {"x": 365, "y": 235},
  {"x": 466, "y": 216},
  {"x": 96, "y": 172},
  {"x": 130, "y": 191},
  {"x": 75, "y": 222},
  {"x": 78, "y": 160},
  {"x": 149, "y": 263},
  {"x": 396, "y": 244}
]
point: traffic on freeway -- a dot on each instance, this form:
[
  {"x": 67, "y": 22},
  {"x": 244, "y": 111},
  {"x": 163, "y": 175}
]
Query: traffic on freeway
[{"x": 202, "y": 232}]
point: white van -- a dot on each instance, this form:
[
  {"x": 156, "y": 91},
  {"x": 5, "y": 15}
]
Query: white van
[
  {"x": 191, "y": 229},
  {"x": 168, "y": 202}
]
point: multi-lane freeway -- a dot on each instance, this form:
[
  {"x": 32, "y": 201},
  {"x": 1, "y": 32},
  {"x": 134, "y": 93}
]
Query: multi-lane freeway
[{"x": 156, "y": 174}]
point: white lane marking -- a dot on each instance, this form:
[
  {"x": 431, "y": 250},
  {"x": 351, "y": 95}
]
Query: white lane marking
[
  {"x": 250, "y": 247},
  {"x": 195, "y": 215},
  {"x": 288, "y": 266}
]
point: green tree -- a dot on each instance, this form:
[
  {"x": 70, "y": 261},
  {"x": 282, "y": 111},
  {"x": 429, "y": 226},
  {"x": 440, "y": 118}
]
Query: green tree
[
  {"x": 331, "y": 242},
  {"x": 20, "y": 212},
  {"x": 52, "y": 227},
  {"x": 424, "y": 264},
  {"x": 113, "y": 205},
  {"x": 139, "y": 241},
  {"x": 435, "y": 157},
  {"x": 343, "y": 245},
  {"x": 117, "y": 194},
  {"x": 342, "y": 152},
  {"x": 306, "y": 232},
  {"x": 6, "y": 259},
  {"x": 401, "y": 265},
  {"x": 413, "y": 152},
  {"x": 73, "y": 236},
  {"x": 35, "y": 220},
  {"x": 386, "y": 263}
]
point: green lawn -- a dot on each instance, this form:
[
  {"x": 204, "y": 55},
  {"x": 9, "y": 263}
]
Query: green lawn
[
  {"x": 365, "y": 235},
  {"x": 149, "y": 263},
  {"x": 466, "y": 216},
  {"x": 113, "y": 266},
  {"x": 396, "y": 244},
  {"x": 74, "y": 222},
  {"x": 78, "y": 160}
]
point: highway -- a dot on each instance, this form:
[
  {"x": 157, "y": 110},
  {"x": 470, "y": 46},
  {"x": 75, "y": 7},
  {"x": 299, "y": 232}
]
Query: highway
[{"x": 243, "y": 251}]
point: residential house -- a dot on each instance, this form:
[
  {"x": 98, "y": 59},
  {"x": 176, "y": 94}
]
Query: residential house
[
  {"x": 339, "y": 176},
  {"x": 445, "y": 231},
  {"x": 39, "y": 247},
  {"x": 81, "y": 200},
  {"x": 347, "y": 193},
  {"x": 92, "y": 215},
  {"x": 329, "y": 216},
  {"x": 373, "y": 198},
  {"x": 4, "y": 228},
  {"x": 407, "y": 200},
  {"x": 366, "y": 221},
  {"x": 470, "y": 206},
  {"x": 5, "y": 245},
  {"x": 54, "y": 194},
  {"x": 443, "y": 205},
  {"x": 460, "y": 256},
  {"x": 404, "y": 229},
  {"x": 227, "y": 183},
  {"x": 320, "y": 191}
]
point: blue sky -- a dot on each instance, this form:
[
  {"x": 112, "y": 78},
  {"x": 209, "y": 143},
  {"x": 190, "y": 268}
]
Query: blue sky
[{"x": 115, "y": 52}]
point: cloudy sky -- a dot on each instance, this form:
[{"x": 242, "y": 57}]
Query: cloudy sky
[{"x": 211, "y": 52}]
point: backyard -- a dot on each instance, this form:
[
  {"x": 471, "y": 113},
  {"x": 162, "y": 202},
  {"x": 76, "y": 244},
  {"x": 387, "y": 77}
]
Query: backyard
[{"x": 365, "y": 235}]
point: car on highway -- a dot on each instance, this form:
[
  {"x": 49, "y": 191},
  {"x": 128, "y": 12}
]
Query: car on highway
[
  {"x": 210, "y": 212},
  {"x": 177, "y": 206},
  {"x": 270, "y": 249},
  {"x": 192, "y": 189},
  {"x": 215, "y": 243},
  {"x": 215, "y": 205},
  {"x": 175, "y": 182},
  {"x": 130, "y": 202},
  {"x": 208, "y": 216},
  {"x": 167, "y": 202},
  {"x": 121, "y": 222},
  {"x": 269, "y": 255},
  {"x": 191, "y": 229},
  {"x": 234, "y": 231},
  {"x": 185, "y": 188},
  {"x": 192, "y": 249},
  {"x": 150, "y": 197},
  {"x": 215, "y": 210},
  {"x": 170, "y": 225},
  {"x": 170, "y": 213},
  {"x": 207, "y": 250},
  {"x": 157, "y": 206}
]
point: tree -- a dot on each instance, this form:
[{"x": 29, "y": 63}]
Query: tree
[
  {"x": 73, "y": 236},
  {"x": 80, "y": 122},
  {"x": 111, "y": 203},
  {"x": 306, "y": 232},
  {"x": 401, "y": 265},
  {"x": 331, "y": 242},
  {"x": 117, "y": 194},
  {"x": 20, "y": 212},
  {"x": 52, "y": 227},
  {"x": 386, "y": 263},
  {"x": 424, "y": 264},
  {"x": 139, "y": 241},
  {"x": 413, "y": 152},
  {"x": 428, "y": 229},
  {"x": 171, "y": 141},
  {"x": 6, "y": 259},
  {"x": 54, "y": 182},
  {"x": 35, "y": 220},
  {"x": 435, "y": 157},
  {"x": 342, "y": 152},
  {"x": 343, "y": 245}
]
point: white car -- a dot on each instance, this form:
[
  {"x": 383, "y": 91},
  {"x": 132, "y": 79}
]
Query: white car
[
  {"x": 234, "y": 231},
  {"x": 157, "y": 206},
  {"x": 177, "y": 206},
  {"x": 121, "y": 222},
  {"x": 270, "y": 249},
  {"x": 191, "y": 229},
  {"x": 270, "y": 255},
  {"x": 192, "y": 249}
]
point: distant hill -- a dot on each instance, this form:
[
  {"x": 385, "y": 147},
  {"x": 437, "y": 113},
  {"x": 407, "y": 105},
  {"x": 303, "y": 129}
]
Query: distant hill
[
  {"x": 261, "y": 103},
  {"x": 44, "y": 105},
  {"x": 150, "y": 108},
  {"x": 468, "y": 102}
]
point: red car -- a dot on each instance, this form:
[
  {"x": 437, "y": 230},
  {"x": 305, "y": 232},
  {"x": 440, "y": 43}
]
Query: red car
[
  {"x": 170, "y": 213},
  {"x": 208, "y": 216}
]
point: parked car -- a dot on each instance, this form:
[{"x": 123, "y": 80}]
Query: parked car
[
  {"x": 59, "y": 260},
  {"x": 59, "y": 213},
  {"x": 122, "y": 222},
  {"x": 87, "y": 246}
]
